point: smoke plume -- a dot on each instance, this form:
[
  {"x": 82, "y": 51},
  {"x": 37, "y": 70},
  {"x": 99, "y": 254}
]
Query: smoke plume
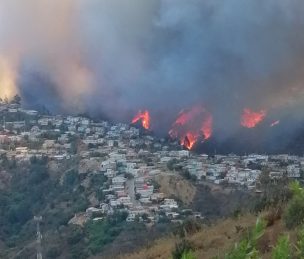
[{"x": 113, "y": 58}]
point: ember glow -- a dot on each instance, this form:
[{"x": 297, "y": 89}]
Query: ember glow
[
  {"x": 191, "y": 125},
  {"x": 251, "y": 119},
  {"x": 275, "y": 123},
  {"x": 144, "y": 117},
  {"x": 207, "y": 127},
  {"x": 7, "y": 79},
  {"x": 189, "y": 140}
]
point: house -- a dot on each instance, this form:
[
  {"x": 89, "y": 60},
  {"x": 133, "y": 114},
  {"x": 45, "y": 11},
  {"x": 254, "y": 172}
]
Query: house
[
  {"x": 110, "y": 173},
  {"x": 293, "y": 171},
  {"x": 118, "y": 180},
  {"x": 169, "y": 204},
  {"x": 21, "y": 150},
  {"x": 93, "y": 211},
  {"x": 276, "y": 174},
  {"x": 145, "y": 192},
  {"x": 126, "y": 201},
  {"x": 183, "y": 153},
  {"x": 172, "y": 215},
  {"x": 157, "y": 197}
]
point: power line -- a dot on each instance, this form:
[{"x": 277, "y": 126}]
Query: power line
[{"x": 38, "y": 219}]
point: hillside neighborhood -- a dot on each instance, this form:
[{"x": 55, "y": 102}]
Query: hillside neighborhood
[{"x": 130, "y": 159}]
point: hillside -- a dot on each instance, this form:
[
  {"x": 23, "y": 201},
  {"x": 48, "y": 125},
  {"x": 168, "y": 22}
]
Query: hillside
[
  {"x": 218, "y": 239},
  {"x": 105, "y": 190},
  {"x": 276, "y": 232},
  {"x": 207, "y": 242}
]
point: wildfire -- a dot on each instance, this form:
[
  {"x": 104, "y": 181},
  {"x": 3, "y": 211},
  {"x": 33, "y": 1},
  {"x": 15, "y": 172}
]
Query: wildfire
[
  {"x": 275, "y": 123},
  {"x": 144, "y": 117},
  {"x": 250, "y": 118},
  {"x": 7, "y": 79},
  {"x": 207, "y": 126},
  {"x": 191, "y": 125},
  {"x": 189, "y": 140}
]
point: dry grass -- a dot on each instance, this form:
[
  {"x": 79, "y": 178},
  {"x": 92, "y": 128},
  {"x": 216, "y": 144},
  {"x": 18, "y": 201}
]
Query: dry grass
[
  {"x": 216, "y": 240},
  {"x": 208, "y": 242},
  {"x": 177, "y": 186}
]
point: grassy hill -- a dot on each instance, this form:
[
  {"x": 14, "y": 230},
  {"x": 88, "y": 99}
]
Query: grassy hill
[{"x": 277, "y": 232}]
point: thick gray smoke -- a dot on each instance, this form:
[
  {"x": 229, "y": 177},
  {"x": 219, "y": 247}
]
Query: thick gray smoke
[{"x": 116, "y": 57}]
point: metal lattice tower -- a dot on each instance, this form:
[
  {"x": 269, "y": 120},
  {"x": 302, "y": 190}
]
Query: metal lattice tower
[{"x": 38, "y": 219}]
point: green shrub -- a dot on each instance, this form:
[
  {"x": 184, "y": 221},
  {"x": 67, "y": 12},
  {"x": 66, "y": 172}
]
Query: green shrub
[
  {"x": 282, "y": 249},
  {"x": 246, "y": 249},
  {"x": 188, "y": 255},
  {"x": 101, "y": 233},
  {"x": 300, "y": 244},
  {"x": 182, "y": 249},
  {"x": 240, "y": 251},
  {"x": 53, "y": 252},
  {"x": 294, "y": 214},
  {"x": 75, "y": 235}
]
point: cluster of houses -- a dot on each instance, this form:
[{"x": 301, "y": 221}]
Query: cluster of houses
[
  {"x": 130, "y": 159},
  {"x": 243, "y": 170}
]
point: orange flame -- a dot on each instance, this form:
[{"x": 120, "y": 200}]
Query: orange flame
[
  {"x": 207, "y": 127},
  {"x": 275, "y": 123},
  {"x": 251, "y": 119},
  {"x": 192, "y": 124},
  {"x": 189, "y": 140},
  {"x": 144, "y": 117},
  {"x": 8, "y": 86}
]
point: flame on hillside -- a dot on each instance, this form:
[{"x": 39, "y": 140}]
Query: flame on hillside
[
  {"x": 251, "y": 119},
  {"x": 144, "y": 117},
  {"x": 191, "y": 125},
  {"x": 8, "y": 87}
]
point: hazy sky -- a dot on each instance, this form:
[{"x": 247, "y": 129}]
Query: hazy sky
[{"x": 116, "y": 57}]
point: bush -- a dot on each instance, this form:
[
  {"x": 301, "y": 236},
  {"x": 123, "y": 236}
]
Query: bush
[
  {"x": 188, "y": 255},
  {"x": 282, "y": 249},
  {"x": 75, "y": 235},
  {"x": 182, "y": 249},
  {"x": 240, "y": 251},
  {"x": 300, "y": 244},
  {"x": 294, "y": 215},
  {"x": 71, "y": 178},
  {"x": 188, "y": 227},
  {"x": 103, "y": 232},
  {"x": 53, "y": 252},
  {"x": 273, "y": 215},
  {"x": 247, "y": 247}
]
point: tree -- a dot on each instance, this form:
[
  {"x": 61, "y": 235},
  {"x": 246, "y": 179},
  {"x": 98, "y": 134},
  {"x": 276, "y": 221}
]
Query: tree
[
  {"x": 71, "y": 178},
  {"x": 171, "y": 164},
  {"x": 294, "y": 215},
  {"x": 53, "y": 252},
  {"x": 75, "y": 234}
]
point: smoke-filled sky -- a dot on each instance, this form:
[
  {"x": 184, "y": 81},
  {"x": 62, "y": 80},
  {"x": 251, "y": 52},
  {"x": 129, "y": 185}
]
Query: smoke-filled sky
[{"x": 115, "y": 57}]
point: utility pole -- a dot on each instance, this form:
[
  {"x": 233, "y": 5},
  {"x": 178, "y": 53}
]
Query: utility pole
[{"x": 38, "y": 219}]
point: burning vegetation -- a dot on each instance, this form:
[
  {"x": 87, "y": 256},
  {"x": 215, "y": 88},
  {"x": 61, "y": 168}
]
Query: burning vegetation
[
  {"x": 7, "y": 79},
  {"x": 144, "y": 118},
  {"x": 251, "y": 119},
  {"x": 191, "y": 126},
  {"x": 195, "y": 125}
]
